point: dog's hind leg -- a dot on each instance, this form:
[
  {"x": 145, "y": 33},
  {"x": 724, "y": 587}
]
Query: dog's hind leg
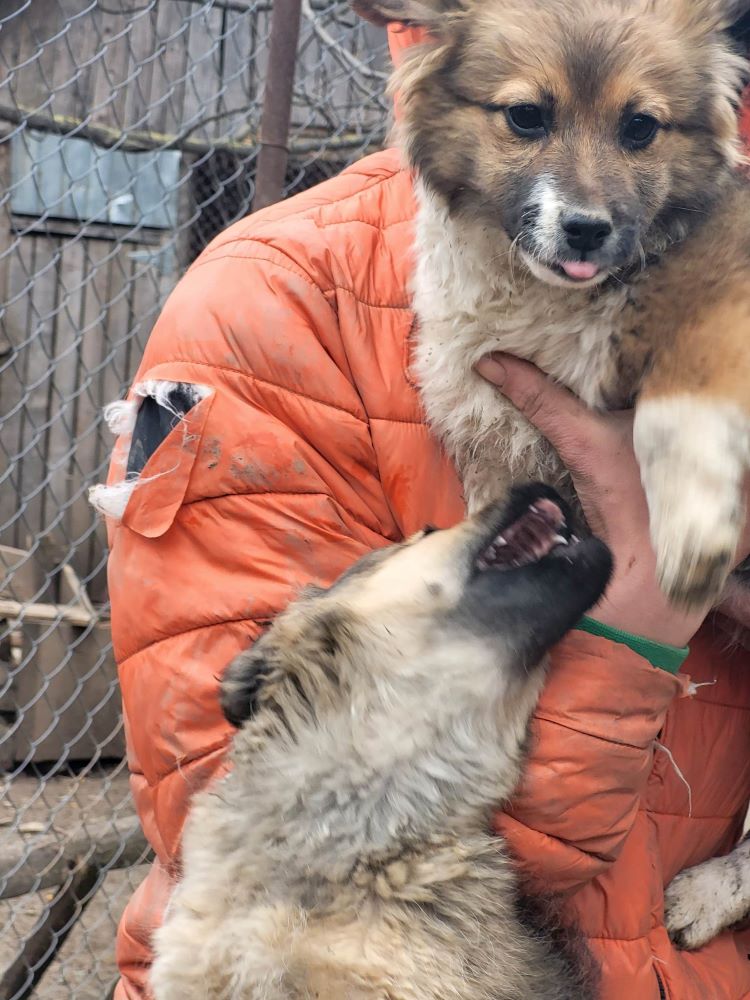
[
  {"x": 703, "y": 901},
  {"x": 692, "y": 441}
]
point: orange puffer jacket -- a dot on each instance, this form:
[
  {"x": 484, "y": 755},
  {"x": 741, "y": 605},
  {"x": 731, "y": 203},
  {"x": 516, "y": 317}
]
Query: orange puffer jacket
[{"x": 312, "y": 449}]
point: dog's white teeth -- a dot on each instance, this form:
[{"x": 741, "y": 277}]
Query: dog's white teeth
[
  {"x": 499, "y": 542},
  {"x": 559, "y": 540},
  {"x": 533, "y": 509},
  {"x": 483, "y": 564}
]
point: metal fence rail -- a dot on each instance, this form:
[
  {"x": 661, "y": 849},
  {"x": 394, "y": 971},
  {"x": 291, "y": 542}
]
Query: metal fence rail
[{"x": 131, "y": 132}]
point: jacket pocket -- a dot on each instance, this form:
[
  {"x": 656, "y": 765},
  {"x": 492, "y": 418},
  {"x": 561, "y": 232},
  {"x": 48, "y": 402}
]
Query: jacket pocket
[{"x": 147, "y": 485}]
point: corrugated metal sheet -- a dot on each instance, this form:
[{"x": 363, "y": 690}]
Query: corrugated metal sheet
[{"x": 67, "y": 178}]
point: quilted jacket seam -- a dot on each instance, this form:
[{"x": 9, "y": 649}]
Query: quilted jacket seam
[
  {"x": 399, "y": 306},
  {"x": 292, "y": 493},
  {"x": 188, "y": 761},
  {"x": 675, "y": 815},
  {"x": 399, "y": 420},
  {"x": 263, "y": 381},
  {"x": 292, "y": 267},
  {"x": 364, "y": 222},
  {"x": 304, "y": 213},
  {"x": 354, "y": 195},
  {"x": 254, "y": 619},
  {"x": 324, "y": 292},
  {"x": 642, "y": 748}
]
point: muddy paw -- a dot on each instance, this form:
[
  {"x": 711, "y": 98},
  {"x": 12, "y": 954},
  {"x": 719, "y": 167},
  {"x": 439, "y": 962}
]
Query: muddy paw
[
  {"x": 693, "y": 454},
  {"x": 693, "y": 579},
  {"x": 698, "y": 904}
]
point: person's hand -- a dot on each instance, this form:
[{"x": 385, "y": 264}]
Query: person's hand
[{"x": 598, "y": 450}]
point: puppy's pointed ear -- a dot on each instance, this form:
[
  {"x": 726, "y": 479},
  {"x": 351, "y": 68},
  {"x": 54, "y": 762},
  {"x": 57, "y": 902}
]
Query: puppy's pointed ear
[
  {"x": 241, "y": 686},
  {"x": 418, "y": 12}
]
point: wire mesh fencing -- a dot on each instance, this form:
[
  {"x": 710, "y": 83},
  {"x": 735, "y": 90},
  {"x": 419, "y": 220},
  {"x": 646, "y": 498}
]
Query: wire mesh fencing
[{"x": 130, "y": 134}]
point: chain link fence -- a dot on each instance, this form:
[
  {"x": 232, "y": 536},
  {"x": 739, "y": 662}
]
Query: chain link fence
[{"x": 130, "y": 134}]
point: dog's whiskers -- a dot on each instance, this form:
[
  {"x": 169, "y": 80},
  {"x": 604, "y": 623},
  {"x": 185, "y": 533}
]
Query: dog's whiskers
[
  {"x": 642, "y": 255},
  {"x": 685, "y": 208}
]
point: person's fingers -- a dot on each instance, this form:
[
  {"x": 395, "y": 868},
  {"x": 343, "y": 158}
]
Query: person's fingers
[{"x": 565, "y": 421}]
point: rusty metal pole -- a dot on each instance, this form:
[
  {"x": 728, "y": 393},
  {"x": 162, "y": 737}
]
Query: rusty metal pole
[{"x": 277, "y": 103}]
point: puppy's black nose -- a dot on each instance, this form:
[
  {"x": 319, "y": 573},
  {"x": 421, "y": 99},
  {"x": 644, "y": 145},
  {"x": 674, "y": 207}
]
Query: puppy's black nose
[{"x": 585, "y": 232}]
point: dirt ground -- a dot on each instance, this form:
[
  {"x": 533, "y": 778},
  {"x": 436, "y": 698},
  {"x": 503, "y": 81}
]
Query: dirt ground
[{"x": 34, "y": 808}]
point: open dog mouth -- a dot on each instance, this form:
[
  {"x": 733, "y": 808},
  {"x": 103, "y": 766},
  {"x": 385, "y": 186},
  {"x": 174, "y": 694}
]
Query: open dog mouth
[{"x": 540, "y": 530}]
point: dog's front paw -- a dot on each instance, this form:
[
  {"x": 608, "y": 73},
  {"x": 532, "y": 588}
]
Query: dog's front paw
[
  {"x": 694, "y": 551},
  {"x": 700, "y": 902},
  {"x": 693, "y": 456}
]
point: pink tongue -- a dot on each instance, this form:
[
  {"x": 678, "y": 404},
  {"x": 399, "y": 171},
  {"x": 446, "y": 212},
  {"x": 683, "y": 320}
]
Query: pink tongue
[{"x": 581, "y": 270}]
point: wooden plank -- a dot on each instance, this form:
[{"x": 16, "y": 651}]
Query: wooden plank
[
  {"x": 146, "y": 302},
  {"x": 6, "y": 247},
  {"x": 144, "y": 42},
  {"x": 117, "y": 843},
  {"x": 262, "y": 34},
  {"x": 82, "y": 231},
  {"x": 12, "y": 31},
  {"x": 23, "y": 37},
  {"x": 170, "y": 69},
  {"x": 111, "y": 382},
  {"x": 67, "y": 693},
  {"x": 37, "y": 375},
  {"x": 80, "y": 524},
  {"x": 110, "y": 72},
  {"x": 17, "y": 327},
  {"x": 11, "y": 318},
  {"x": 18, "y": 611},
  {"x": 203, "y": 96},
  {"x": 237, "y": 71},
  {"x": 61, "y": 65},
  {"x": 64, "y": 387},
  {"x": 73, "y": 591},
  {"x": 31, "y": 315},
  {"x": 21, "y": 577},
  {"x": 49, "y": 933}
]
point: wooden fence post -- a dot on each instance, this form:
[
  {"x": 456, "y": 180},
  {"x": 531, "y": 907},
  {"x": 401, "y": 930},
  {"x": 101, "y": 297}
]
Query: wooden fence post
[{"x": 277, "y": 103}]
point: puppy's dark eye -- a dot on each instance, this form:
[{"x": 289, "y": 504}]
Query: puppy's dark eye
[
  {"x": 638, "y": 131},
  {"x": 428, "y": 529},
  {"x": 526, "y": 120}
]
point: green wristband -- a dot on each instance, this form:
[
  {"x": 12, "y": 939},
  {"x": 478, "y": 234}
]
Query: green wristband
[{"x": 658, "y": 654}]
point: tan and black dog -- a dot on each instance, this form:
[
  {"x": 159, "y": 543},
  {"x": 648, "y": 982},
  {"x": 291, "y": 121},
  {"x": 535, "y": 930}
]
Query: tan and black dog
[
  {"x": 580, "y": 204},
  {"x": 347, "y": 855}
]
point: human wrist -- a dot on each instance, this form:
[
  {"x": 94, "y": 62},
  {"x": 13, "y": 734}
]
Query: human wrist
[
  {"x": 648, "y": 614},
  {"x": 664, "y": 656}
]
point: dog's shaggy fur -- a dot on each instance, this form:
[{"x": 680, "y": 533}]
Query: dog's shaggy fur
[
  {"x": 663, "y": 308},
  {"x": 705, "y": 900},
  {"x": 347, "y": 856},
  {"x": 525, "y": 119}
]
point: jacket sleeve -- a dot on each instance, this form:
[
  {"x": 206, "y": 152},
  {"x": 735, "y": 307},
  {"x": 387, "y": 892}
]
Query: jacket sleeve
[
  {"x": 268, "y": 484},
  {"x": 591, "y": 753}
]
